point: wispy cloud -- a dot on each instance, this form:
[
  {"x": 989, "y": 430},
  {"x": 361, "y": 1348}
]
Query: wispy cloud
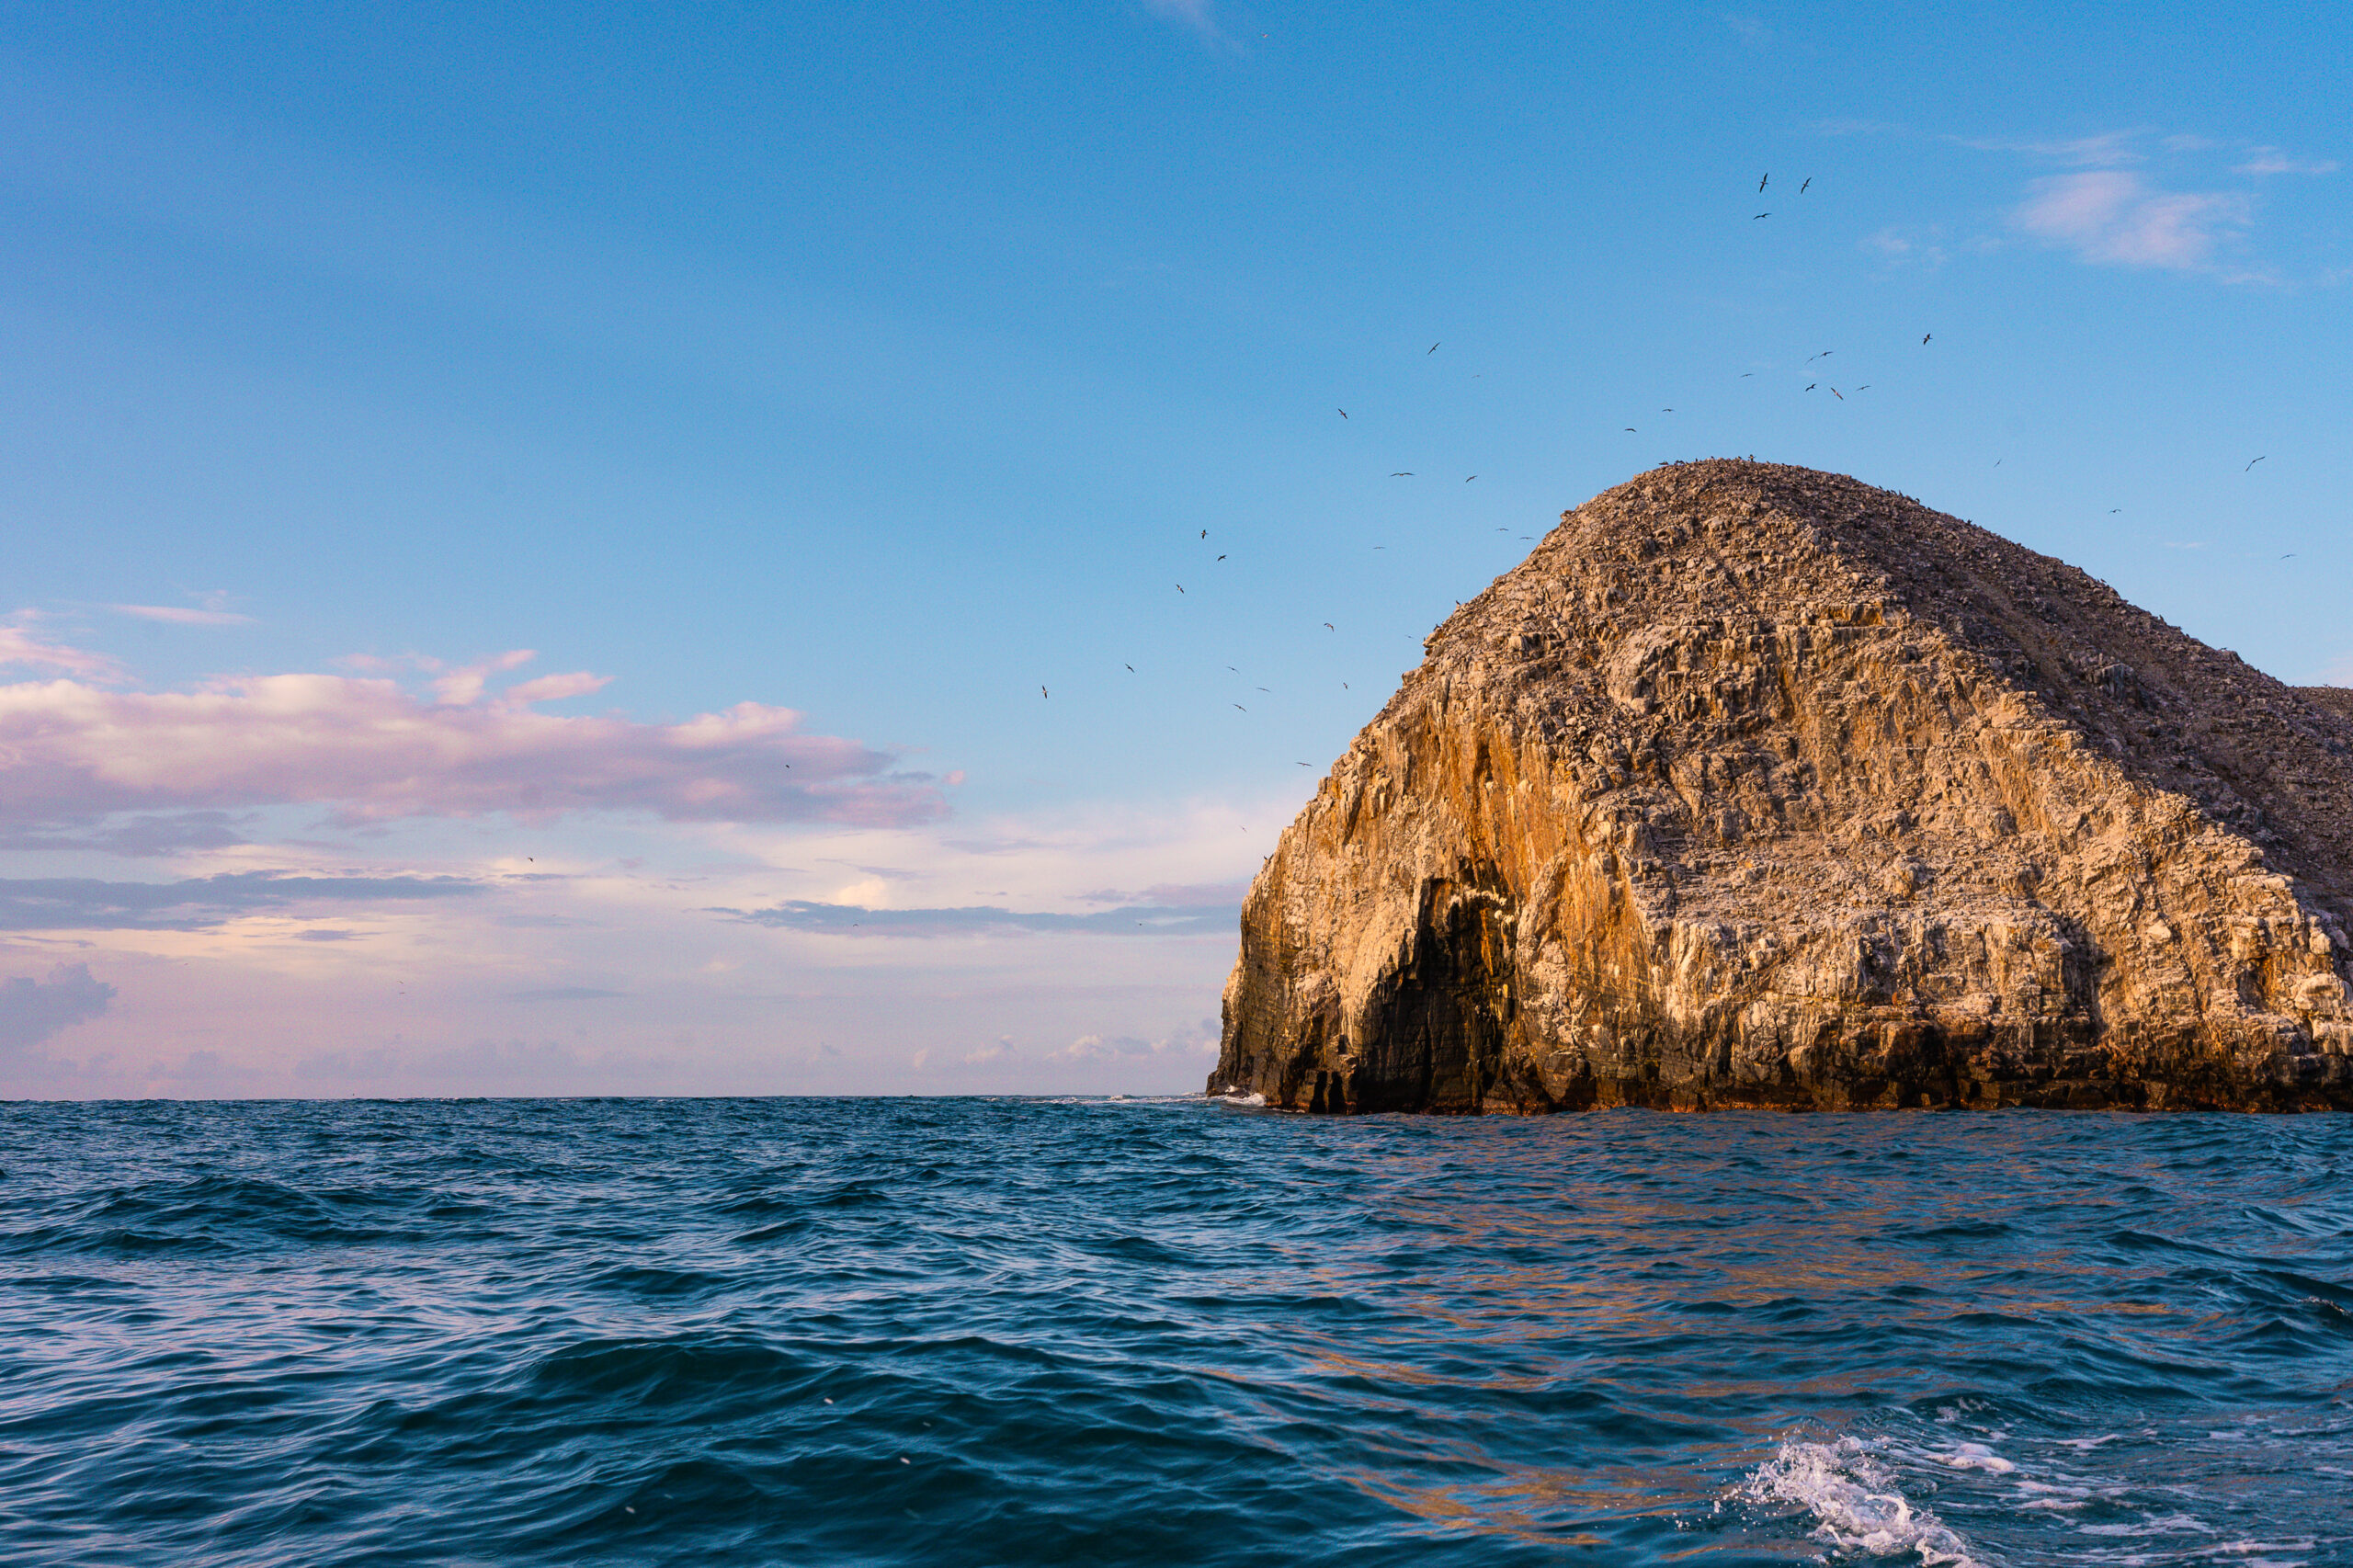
[
  {"x": 2106, "y": 150},
  {"x": 86, "y": 904},
  {"x": 18, "y": 646},
  {"x": 174, "y": 833},
  {"x": 2272, "y": 161},
  {"x": 1199, "y": 16},
  {"x": 1202, "y": 1039},
  {"x": 1899, "y": 249},
  {"x": 181, "y": 616},
  {"x": 2117, "y": 218},
  {"x": 70, "y": 750},
  {"x": 980, "y": 920}
]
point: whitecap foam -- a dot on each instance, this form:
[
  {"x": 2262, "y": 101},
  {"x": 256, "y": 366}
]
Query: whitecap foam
[
  {"x": 2154, "y": 1524},
  {"x": 1976, "y": 1456},
  {"x": 1853, "y": 1503}
]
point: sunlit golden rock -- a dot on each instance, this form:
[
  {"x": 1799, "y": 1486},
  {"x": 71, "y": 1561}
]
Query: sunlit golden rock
[{"x": 1756, "y": 786}]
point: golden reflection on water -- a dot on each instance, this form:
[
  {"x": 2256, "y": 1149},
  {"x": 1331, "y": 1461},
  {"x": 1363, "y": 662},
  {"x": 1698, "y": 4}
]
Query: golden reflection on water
[{"x": 1719, "y": 1266}]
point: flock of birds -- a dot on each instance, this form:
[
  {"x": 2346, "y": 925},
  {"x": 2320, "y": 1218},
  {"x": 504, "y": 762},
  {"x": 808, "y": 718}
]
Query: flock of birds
[{"x": 1763, "y": 181}]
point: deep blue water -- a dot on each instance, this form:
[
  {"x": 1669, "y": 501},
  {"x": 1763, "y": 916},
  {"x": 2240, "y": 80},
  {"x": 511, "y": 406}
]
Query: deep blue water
[{"x": 968, "y": 1332}]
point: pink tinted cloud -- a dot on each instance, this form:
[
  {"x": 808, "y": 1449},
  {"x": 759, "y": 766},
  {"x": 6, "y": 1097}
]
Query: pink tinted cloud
[
  {"x": 2115, "y": 216},
  {"x": 463, "y": 686},
  {"x": 182, "y": 617},
  {"x": 375, "y": 752},
  {"x": 18, "y": 646}
]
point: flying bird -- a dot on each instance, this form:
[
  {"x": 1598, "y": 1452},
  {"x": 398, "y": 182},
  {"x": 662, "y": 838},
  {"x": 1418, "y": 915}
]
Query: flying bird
[
  {"x": 1433, "y": 348},
  {"x": 1666, "y": 411},
  {"x": 2113, "y": 510},
  {"x": 1042, "y": 692},
  {"x": 1761, "y": 179},
  {"x": 1407, "y": 475},
  {"x": 1131, "y": 669},
  {"x": 1329, "y": 626},
  {"x": 1809, "y": 180},
  {"x": 1344, "y": 414},
  {"x": 1811, "y": 385},
  {"x": 1761, "y": 215},
  {"x": 1745, "y": 375},
  {"x": 1181, "y": 588},
  {"x": 1467, "y": 479},
  {"x": 2250, "y": 465},
  {"x": 1239, "y": 708},
  {"x": 1205, "y": 533},
  {"x": 1926, "y": 335},
  {"x": 1221, "y": 558},
  {"x": 1824, "y": 355},
  {"x": 1836, "y": 393},
  {"x": 1631, "y": 431}
]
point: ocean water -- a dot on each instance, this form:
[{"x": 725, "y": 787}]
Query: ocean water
[{"x": 1006, "y": 1331}]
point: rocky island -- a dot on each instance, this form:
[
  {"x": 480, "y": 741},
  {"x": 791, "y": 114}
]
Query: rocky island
[{"x": 1755, "y": 786}]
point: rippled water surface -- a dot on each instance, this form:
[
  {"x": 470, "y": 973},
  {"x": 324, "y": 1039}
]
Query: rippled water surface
[{"x": 1021, "y": 1331}]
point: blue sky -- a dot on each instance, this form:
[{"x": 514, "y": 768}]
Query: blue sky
[{"x": 878, "y": 366}]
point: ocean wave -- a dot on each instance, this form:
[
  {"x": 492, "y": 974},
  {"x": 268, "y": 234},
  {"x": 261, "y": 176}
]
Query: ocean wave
[{"x": 737, "y": 1334}]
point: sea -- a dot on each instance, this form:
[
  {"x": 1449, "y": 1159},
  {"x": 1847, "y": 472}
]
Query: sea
[{"x": 1167, "y": 1331}]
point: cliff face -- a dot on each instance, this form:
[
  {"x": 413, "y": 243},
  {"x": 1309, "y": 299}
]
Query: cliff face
[{"x": 1755, "y": 786}]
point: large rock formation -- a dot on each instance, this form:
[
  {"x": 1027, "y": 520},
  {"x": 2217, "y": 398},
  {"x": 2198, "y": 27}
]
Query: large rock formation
[{"x": 1755, "y": 786}]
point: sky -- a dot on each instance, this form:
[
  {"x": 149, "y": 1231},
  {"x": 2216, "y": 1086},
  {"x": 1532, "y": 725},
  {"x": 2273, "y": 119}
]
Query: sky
[{"x": 794, "y": 550}]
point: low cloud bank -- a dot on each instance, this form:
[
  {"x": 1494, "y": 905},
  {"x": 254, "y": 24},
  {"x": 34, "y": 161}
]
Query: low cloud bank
[
  {"x": 33, "y": 1010},
  {"x": 1131, "y": 920},
  {"x": 72, "y": 750},
  {"x": 86, "y": 903}
]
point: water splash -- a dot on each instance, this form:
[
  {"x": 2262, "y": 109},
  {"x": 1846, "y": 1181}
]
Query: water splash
[{"x": 1855, "y": 1505}]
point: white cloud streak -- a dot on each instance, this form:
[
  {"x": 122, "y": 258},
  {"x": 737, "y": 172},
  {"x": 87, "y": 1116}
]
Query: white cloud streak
[
  {"x": 178, "y": 615},
  {"x": 2271, "y": 161},
  {"x": 2116, "y": 218},
  {"x": 1199, "y": 16}
]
